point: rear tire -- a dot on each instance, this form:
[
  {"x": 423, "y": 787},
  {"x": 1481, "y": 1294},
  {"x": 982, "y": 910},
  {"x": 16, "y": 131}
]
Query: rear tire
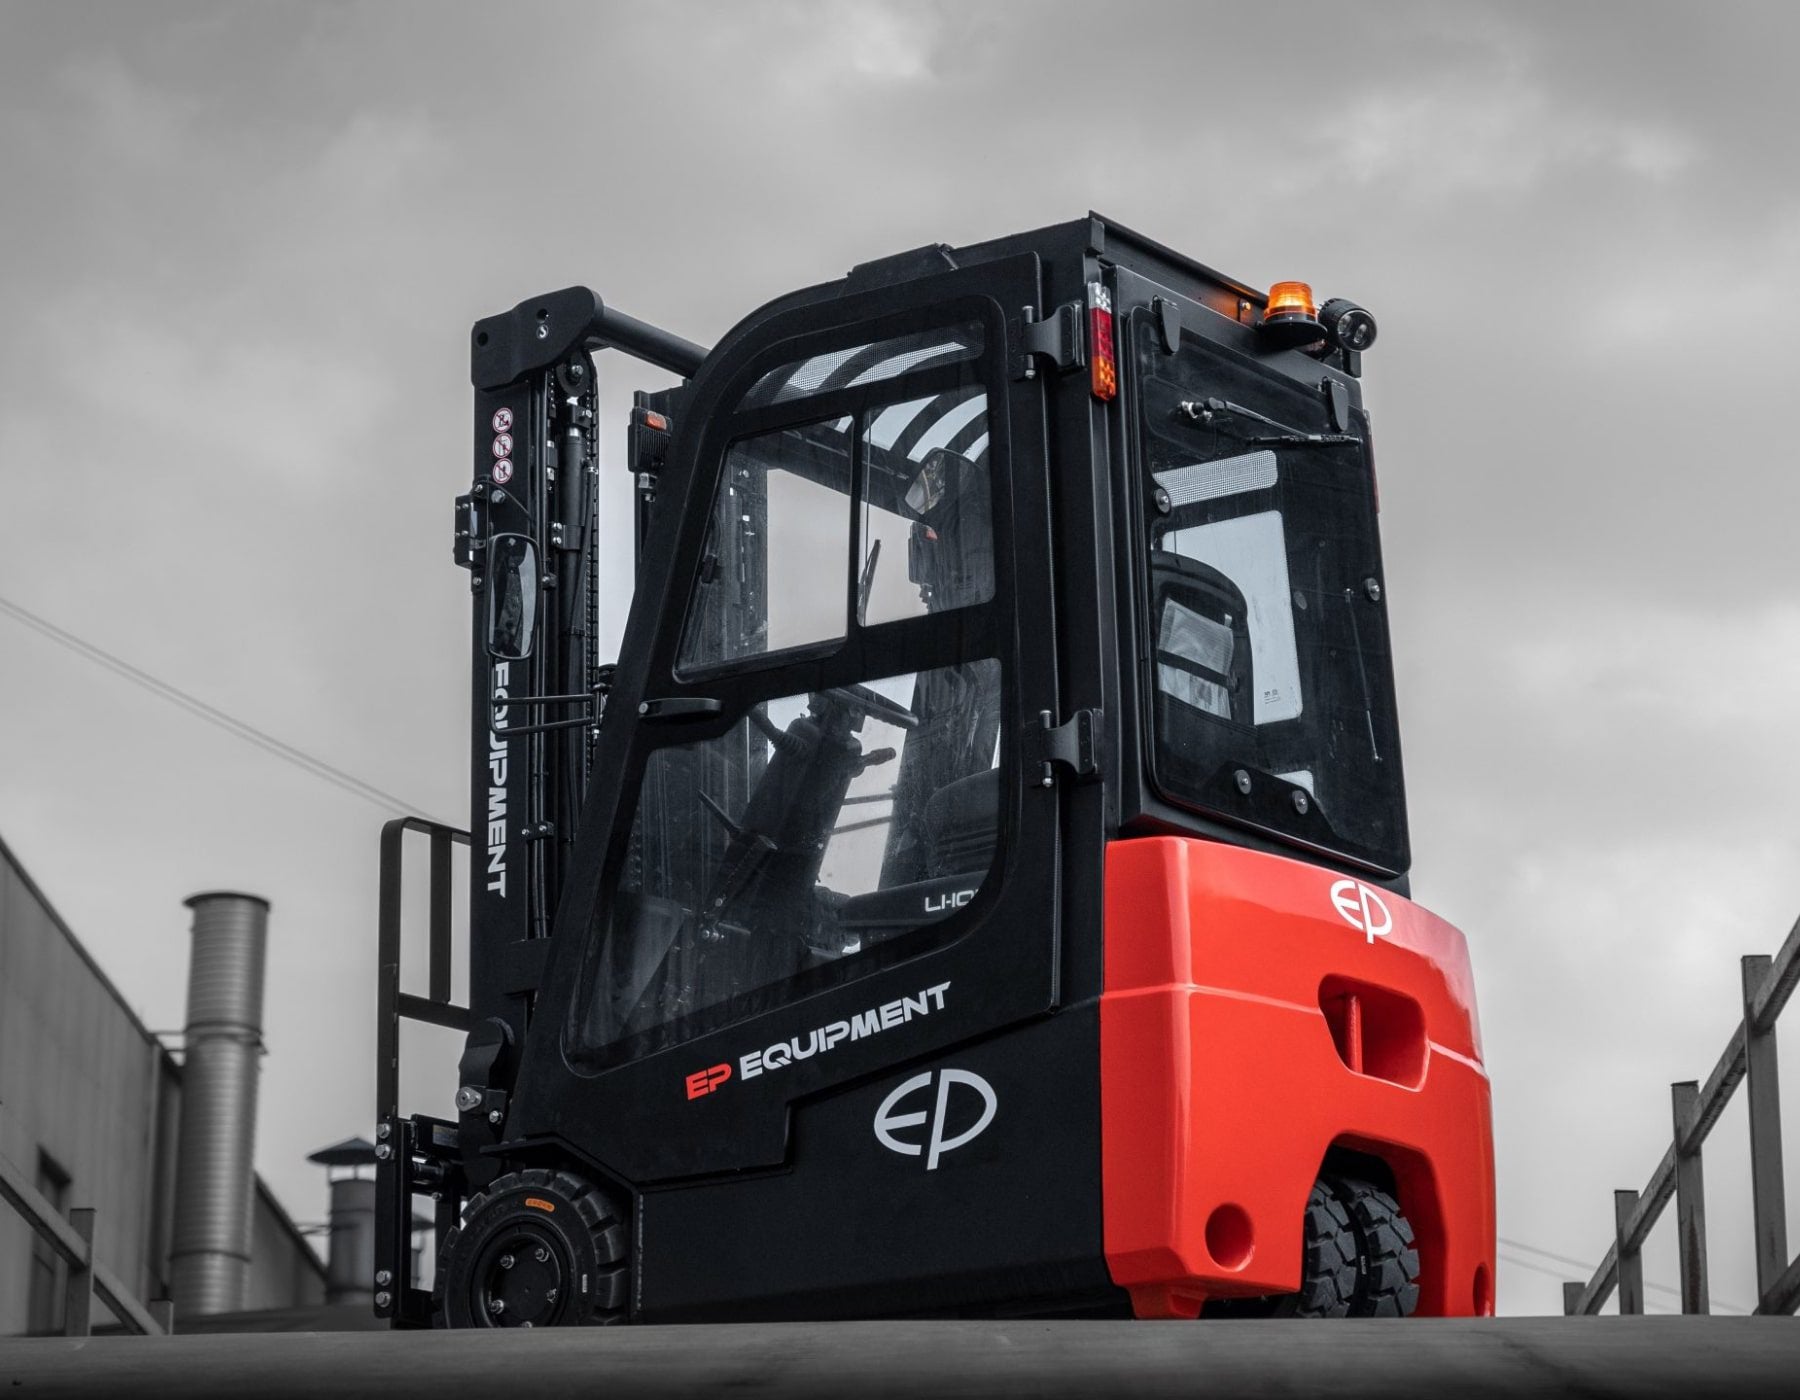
[
  {"x": 1387, "y": 1264},
  {"x": 1328, "y": 1271},
  {"x": 536, "y": 1249}
]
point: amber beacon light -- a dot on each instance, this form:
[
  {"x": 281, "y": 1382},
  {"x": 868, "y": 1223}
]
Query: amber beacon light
[
  {"x": 1291, "y": 316},
  {"x": 1290, "y": 299}
]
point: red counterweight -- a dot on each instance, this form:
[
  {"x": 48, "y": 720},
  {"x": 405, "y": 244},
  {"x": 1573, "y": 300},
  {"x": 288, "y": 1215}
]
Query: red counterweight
[{"x": 1260, "y": 1012}]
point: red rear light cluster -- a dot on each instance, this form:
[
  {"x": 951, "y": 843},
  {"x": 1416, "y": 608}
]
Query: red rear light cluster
[{"x": 1103, "y": 363}]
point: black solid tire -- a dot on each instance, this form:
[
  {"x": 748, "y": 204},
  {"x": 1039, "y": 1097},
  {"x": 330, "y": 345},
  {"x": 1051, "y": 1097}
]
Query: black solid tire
[
  {"x": 1387, "y": 1264},
  {"x": 582, "y": 1226},
  {"x": 1328, "y": 1275},
  {"x": 1328, "y": 1272}
]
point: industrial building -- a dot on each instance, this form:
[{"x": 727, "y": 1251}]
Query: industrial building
[{"x": 95, "y": 1111}]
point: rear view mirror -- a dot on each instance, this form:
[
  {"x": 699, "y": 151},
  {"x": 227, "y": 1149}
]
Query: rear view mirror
[
  {"x": 943, "y": 473},
  {"x": 512, "y": 594}
]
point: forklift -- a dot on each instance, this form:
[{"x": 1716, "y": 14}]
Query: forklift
[{"x": 979, "y": 886}]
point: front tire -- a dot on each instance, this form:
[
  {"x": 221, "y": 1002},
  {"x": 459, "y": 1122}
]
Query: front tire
[{"x": 536, "y": 1249}]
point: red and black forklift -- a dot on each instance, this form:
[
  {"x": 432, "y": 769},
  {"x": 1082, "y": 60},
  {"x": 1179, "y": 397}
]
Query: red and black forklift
[{"x": 979, "y": 887}]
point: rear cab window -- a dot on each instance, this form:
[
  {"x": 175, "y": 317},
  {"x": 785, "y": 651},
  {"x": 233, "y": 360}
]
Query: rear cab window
[{"x": 1271, "y": 682}]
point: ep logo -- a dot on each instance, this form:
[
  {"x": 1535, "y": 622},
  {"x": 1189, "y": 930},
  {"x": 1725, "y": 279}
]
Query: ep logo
[
  {"x": 937, "y": 1138},
  {"x": 1362, "y": 909}
]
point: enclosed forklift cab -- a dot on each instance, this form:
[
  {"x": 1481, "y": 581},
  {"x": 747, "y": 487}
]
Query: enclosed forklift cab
[{"x": 979, "y": 887}]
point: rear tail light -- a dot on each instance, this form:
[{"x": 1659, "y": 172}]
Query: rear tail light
[{"x": 1103, "y": 363}]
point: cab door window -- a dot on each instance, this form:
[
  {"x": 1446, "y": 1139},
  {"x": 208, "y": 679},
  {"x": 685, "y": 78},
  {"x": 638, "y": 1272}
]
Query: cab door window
[
  {"x": 823, "y": 834},
  {"x": 926, "y": 536},
  {"x": 772, "y": 575},
  {"x": 847, "y": 804}
]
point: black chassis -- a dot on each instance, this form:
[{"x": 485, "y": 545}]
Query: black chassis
[{"x": 771, "y": 1198}]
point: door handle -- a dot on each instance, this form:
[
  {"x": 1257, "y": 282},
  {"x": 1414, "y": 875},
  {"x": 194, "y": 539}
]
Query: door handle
[{"x": 680, "y": 707}]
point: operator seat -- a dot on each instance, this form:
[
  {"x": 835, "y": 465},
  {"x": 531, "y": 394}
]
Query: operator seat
[{"x": 963, "y": 822}]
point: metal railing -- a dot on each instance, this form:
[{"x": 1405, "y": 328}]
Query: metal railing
[
  {"x": 1696, "y": 1108},
  {"x": 73, "y": 1241}
]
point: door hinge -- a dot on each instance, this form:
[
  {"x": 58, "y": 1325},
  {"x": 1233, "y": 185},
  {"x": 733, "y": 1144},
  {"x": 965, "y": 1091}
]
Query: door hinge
[
  {"x": 1075, "y": 744},
  {"x": 1057, "y": 337}
]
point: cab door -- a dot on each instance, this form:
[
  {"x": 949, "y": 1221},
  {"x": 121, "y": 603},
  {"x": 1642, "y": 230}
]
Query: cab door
[{"x": 828, "y": 847}]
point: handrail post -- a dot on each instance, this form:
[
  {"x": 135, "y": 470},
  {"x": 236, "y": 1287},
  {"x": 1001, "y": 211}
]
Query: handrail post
[
  {"x": 78, "y": 1289},
  {"x": 1572, "y": 1298},
  {"x": 1631, "y": 1263},
  {"x": 387, "y": 986},
  {"x": 1690, "y": 1198},
  {"x": 439, "y": 971},
  {"x": 162, "y": 1312},
  {"x": 1763, "y": 1092}
]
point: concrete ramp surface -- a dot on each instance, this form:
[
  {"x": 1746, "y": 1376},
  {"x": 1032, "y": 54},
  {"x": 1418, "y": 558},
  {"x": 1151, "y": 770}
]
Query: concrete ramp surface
[{"x": 1684, "y": 1358}]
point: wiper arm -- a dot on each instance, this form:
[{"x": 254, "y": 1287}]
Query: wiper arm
[
  {"x": 1207, "y": 410},
  {"x": 866, "y": 584},
  {"x": 1302, "y": 439}
]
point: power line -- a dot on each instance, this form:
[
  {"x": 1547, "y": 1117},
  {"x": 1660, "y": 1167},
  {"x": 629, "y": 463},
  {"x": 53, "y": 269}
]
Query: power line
[
  {"x": 1513, "y": 1261},
  {"x": 1506, "y": 1258},
  {"x": 197, "y": 707},
  {"x": 1587, "y": 1269},
  {"x": 1587, "y": 1272}
]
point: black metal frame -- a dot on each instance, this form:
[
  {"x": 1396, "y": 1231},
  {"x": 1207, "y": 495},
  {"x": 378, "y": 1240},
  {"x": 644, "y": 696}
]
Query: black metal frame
[
  {"x": 1749, "y": 1056},
  {"x": 547, "y": 330}
]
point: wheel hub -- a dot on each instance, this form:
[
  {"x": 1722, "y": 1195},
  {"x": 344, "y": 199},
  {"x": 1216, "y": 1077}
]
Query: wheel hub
[{"x": 521, "y": 1280}]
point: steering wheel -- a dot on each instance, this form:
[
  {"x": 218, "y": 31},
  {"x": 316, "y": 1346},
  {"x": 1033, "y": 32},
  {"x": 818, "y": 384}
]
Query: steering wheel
[{"x": 865, "y": 701}]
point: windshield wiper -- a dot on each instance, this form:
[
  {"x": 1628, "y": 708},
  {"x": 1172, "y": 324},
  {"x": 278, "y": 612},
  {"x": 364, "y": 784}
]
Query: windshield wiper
[
  {"x": 1207, "y": 410},
  {"x": 866, "y": 584}
]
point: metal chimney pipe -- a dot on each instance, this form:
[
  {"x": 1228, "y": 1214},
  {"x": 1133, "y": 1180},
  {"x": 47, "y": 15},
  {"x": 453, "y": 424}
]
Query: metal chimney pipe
[
  {"x": 350, "y": 1269},
  {"x": 209, "y": 1259}
]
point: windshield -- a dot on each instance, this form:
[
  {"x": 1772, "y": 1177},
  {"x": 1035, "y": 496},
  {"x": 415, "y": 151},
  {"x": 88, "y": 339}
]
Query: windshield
[{"x": 1272, "y": 684}]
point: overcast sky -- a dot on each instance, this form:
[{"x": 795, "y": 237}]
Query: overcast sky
[{"x": 241, "y": 245}]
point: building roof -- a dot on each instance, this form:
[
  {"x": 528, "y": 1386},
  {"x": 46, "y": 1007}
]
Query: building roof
[{"x": 31, "y": 886}]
